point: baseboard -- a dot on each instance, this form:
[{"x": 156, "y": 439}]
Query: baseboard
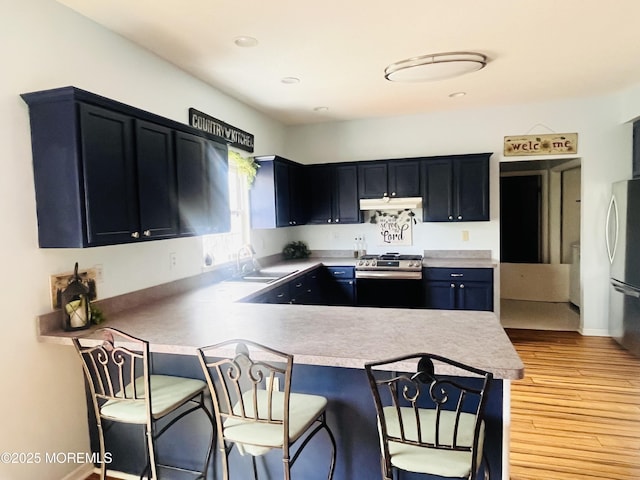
[
  {"x": 595, "y": 332},
  {"x": 83, "y": 471},
  {"x": 80, "y": 473}
]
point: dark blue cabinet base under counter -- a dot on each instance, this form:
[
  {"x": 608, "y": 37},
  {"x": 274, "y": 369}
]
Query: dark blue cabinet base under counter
[
  {"x": 458, "y": 288},
  {"x": 350, "y": 414}
]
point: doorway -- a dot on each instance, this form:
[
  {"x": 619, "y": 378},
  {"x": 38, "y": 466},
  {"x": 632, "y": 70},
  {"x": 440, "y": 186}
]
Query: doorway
[{"x": 539, "y": 243}]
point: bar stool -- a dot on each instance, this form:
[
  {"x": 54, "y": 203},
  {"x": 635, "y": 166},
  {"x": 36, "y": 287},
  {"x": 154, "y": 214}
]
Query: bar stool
[
  {"x": 124, "y": 390},
  {"x": 251, "y": 412},
  {"x": 430, "y": 423}
]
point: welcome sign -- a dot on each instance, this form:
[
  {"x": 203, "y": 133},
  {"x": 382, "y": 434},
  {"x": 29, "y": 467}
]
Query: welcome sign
[
  {"x": 548, "y": 144},
  {"x": 236, "y": 137}
]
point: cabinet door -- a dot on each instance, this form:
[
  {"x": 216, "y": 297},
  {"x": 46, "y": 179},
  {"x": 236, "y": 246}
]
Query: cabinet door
[
  {"x": 346, "y": 204},
  {"x": 217, "y": 160},
  {"x": 297, "y": 196},
  {"x": 109, "y": 176},
  {"x": 156, "y": 180},
  {"x": 372, "y": 180},
  {"x": 404, "y": 178},
  {"x": 437, "y": 181},
  {"x": 439, "y": 295},
  {"x": 471, "y": 188},
  {"x": 474, "y": 296},
  {"x": 203, "y": 185},
  {"x": 319, "y": 184},
  {"x": 282, "y": 194}
]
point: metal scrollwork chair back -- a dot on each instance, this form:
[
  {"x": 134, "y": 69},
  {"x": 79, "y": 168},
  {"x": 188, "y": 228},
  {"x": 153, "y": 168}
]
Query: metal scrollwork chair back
[
  {"x": 124, "y": 390},
  {"x": 428, "y": 422},
  {"x": 250, "y": 386}
]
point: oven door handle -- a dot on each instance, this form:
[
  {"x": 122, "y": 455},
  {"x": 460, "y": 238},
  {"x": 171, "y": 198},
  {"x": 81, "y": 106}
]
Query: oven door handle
[{"x": 387, "y": 275}]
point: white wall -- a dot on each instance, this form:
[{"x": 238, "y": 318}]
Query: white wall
[
  {"x": 44, "y": 45},
  {"x": 604, "y": 147}
]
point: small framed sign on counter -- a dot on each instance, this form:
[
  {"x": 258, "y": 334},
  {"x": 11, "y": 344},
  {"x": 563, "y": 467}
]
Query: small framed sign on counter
[{"x": 547, "y": 144}]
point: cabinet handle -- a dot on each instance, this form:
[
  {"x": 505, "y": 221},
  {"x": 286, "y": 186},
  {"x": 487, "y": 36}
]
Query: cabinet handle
[
  {"x": 298, "y": 285},
  {"x": 147, "y": 233},
  {"x": 135, "y": 235},
  {"x": 280, "y": 295},
  {"x": 329, "y": 221},
  {"x": 393, "y": 194},
  {"x": 459, "y": 217},
  {"x": 450, "y": 217},
  {"x": 337, "y": 220},
  {"x": 338, "y": 273},
  {"x": 385, "y": 194},
  {"x": 457, "y": 275},
  {"x": 453, "y": 285},
  {"x": 462, "y": 285}
]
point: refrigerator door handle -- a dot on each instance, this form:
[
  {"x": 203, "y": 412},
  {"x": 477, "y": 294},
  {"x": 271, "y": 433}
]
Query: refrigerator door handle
[
  {"x": 613, "y": 208},
  {"x": 625, "y": 289}
]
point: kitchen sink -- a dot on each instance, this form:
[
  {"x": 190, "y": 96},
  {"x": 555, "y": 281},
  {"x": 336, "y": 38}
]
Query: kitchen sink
[{"x": 261, "y": 277}]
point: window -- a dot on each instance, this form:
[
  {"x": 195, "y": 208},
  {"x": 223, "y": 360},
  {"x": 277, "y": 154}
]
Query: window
[{"x": 223, "y": 247}]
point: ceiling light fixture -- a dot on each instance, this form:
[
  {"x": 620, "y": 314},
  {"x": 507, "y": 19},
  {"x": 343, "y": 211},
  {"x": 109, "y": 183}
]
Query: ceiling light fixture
[
  {"x": 321, "y": 109},
  {"x": 290, "y": 80},
  {"x": 435, "y": 66},
  {"x": 245, "y": 41},
  {"x": 457, "y": 94}
]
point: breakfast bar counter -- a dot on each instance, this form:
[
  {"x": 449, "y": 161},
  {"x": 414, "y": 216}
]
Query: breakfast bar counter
[{"x": 330, "y": 345}]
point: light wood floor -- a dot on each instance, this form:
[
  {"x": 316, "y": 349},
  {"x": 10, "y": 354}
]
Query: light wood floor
[{"x": 576, "y": 414}]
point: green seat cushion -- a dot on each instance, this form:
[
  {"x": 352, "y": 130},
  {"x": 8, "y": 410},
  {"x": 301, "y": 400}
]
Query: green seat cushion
[
  {"x": 258, "y": 438},
  {"x": 167, "y": 393},
  {"x": 434, "y": 461}
]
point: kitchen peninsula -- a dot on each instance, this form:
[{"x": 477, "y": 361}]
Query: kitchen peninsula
[{"x": 330, "y": 345}]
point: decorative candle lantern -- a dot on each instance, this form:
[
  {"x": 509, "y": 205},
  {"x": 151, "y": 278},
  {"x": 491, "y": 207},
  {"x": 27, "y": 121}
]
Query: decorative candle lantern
[{"x": 75, "y": 303}]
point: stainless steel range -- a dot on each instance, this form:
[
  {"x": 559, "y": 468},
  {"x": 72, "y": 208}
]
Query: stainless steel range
[
  {"x": 389, "y": 280},
  {"x": 390, "y": 266}
]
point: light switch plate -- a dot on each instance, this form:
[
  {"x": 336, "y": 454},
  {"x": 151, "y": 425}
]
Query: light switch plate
[{"x": 60, "y": 281}]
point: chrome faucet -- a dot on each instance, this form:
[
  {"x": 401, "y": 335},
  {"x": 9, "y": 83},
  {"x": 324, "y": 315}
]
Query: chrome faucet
[{"x": 247, "y": 253}]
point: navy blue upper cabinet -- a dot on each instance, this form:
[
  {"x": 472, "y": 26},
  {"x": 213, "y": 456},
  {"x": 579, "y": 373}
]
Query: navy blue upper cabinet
[
  {"x": 332, "y": 191},
  {"x": 456, "y": 188},
  {"x": 389, "y": 178},
  {"x": 106, "y": 173},
  {"x": 278, "y": 196},
  {"x": 203, "y": 188}
]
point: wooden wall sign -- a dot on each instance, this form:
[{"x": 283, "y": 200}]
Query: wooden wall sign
[
  {"x": 548, "y": 144},
  {"x": 236, "y": 137}
]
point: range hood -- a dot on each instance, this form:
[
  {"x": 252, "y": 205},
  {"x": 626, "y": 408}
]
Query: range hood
[{"x": 390, "y": 203}]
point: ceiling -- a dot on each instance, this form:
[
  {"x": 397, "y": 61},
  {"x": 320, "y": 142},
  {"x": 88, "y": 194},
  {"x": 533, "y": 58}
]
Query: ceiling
[{"x": 539, "y": 50}]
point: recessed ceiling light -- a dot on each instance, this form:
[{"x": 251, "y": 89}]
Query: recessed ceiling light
[
  {"x": 321, "y": 109},
  {"x": 457, "y": 94},
  {"x": 245, "y": 41},
  {"x": 290, "y": 80},
  {"x": 435, "y": 66}
]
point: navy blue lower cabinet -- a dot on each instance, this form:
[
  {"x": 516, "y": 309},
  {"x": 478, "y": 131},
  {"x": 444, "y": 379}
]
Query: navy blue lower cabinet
[
  {"x": 350, "y": 415},
  {"x": 339, "y": 286},
  {"x": 458, "y": 288}
]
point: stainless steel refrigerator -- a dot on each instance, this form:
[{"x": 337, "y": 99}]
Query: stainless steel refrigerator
[{"x": 623, "y": 248}]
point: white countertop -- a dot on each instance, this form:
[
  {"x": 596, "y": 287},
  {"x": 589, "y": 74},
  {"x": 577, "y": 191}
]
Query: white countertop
[{"x": 316, "y": 335}]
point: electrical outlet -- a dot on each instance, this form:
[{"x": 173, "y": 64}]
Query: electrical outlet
[
  {"x": 173, "y": 260},
  {"x": 465, "y": 235}
]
